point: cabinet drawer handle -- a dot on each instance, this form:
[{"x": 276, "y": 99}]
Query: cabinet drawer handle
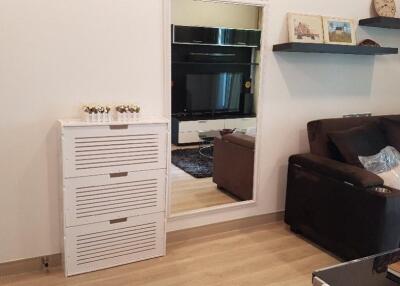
[
  {"x": 119, "y": 175},
  {"x": 202, "y": 121},
  {"x": 119, "y": 127},
  {"x": 241, "y": 43},
  {"x": 118, "y": 220}
]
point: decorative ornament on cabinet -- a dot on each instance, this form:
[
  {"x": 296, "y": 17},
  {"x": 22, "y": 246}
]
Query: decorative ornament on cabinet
[{"x": 97, "y": 113}]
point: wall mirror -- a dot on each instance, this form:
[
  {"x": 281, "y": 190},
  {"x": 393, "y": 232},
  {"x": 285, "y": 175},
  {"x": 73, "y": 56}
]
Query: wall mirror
[{"x": 214, "y": 97}]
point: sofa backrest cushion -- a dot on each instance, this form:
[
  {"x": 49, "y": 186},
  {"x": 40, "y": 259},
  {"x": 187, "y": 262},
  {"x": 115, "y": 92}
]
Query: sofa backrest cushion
[
  {"x": 320, "y": 143},
  {"x": 391, "y": 127},
  {"x": 364, "y": 140}
]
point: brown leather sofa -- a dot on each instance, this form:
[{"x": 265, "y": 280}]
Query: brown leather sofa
[
  {"x": 234, "y": 165},
  {"x": 337, "y": 204}
]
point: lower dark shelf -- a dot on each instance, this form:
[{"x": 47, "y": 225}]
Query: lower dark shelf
[
  {"x": 381, "y": 22},
  {"x": 333, "y": 49}
]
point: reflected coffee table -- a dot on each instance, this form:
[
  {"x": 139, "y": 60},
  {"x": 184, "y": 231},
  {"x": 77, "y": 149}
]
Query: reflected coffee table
[
  {"x": 207, "y": 142},
  {"x": 369, "y": 271}
]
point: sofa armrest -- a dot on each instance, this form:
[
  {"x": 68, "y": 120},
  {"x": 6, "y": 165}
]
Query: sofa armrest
[
  {"x": 241, "y": 140},
  {"x": 341, "y": 171},
  {"x": 234, "y": 168}
]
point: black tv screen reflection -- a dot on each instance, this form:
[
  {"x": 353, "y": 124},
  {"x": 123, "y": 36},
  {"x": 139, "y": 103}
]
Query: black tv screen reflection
[{"x": 214, "y": 93}]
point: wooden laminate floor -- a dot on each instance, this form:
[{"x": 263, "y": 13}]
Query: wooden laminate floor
[
  {"x": 266, "y": 254},
  {"x": 189, "y": 193}
]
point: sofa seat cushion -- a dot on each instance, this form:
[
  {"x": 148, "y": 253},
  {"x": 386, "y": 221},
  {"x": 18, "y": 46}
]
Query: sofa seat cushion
[
  {"x": 391, "y": 127},
  {"x": 365, "y": 140},
  {"x": 391, "y": 178}
]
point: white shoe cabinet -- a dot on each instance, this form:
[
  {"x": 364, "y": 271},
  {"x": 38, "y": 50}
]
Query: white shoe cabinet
[{"x": 113, "y": 193}]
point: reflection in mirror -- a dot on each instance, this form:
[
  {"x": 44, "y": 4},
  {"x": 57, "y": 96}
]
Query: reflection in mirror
[{"x": 215, "y": 80}]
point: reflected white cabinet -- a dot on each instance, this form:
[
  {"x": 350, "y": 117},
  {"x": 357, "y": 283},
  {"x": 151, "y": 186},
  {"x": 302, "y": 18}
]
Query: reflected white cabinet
[
  {"x": 113, "y": 193},
  {"x": 241, "y": 123},
  {"x": 187, "y": 131}
]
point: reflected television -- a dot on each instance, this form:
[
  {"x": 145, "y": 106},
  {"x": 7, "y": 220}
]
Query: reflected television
[{"x": 214, "y": 93}]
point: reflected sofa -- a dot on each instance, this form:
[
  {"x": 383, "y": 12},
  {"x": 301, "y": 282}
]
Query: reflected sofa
[{"x": 234, "y": 164}]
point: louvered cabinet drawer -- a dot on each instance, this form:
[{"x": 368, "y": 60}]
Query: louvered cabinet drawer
[
  {"x": 95, "y": 150},
  {"x": 105, "y": 197},
  {"x": 107, "y": 244}
]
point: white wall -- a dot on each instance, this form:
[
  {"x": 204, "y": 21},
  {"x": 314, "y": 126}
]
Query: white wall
[
  {"x": 56, "y": 55},
  {"x": 197, "y": 13}
]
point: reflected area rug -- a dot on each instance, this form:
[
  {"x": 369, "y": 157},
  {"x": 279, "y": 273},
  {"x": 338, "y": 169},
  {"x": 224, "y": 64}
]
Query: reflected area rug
[{"x": 190, "y": 161}]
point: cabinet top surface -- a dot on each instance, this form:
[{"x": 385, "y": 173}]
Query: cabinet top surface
[{"x": 76, "y": 122}]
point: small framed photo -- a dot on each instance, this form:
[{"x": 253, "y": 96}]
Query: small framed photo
[
  {"x": 339, "y": 31},
  {"x": 305, "y": 28}
]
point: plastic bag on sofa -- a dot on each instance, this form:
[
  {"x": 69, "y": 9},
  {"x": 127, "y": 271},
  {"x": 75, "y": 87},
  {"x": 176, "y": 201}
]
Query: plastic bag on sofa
[{"x": 386, "y": 164}]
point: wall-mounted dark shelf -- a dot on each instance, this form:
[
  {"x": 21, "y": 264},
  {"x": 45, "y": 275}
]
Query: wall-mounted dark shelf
[
  {"x": 381, "y": 22},
  {"x": 333, "y": 49},
  {"x": 203, "y": 63}
]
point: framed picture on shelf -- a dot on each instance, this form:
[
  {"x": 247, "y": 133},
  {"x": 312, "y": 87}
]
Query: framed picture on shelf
[
  {"x": 339, "y": 31},
  {"x": 305, "y": 28}
]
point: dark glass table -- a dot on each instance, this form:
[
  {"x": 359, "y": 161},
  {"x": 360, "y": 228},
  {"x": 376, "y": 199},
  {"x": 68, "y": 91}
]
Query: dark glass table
[{"x": 369, "y": 271}]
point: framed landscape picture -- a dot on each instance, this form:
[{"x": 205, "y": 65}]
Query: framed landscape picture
[
  {"x": 305, "y": 28},
  {"x": 339, "y": 31}
]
